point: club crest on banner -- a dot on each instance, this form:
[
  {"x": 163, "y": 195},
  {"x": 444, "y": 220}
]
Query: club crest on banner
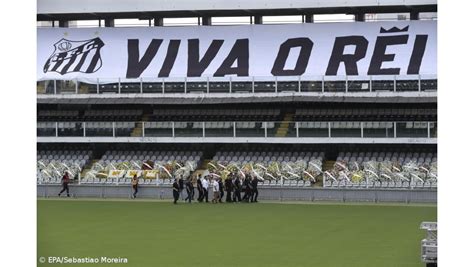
[{"x": 75, "y": 56}]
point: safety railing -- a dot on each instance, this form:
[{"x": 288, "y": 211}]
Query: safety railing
[
  {"x": 429, "y": 245},
  {"x": 274, "y": 129},
  {"x": 232, "y": 85}
]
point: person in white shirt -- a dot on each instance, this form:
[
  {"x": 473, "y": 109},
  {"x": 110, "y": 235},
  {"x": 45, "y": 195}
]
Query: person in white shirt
[
  {"x": 215, "y": 189},
  {"x": 205, "y": 186}
]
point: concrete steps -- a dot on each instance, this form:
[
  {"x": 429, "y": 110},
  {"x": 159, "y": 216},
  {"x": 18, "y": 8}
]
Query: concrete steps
[
  {"x": 88, "y": 167},
  {"x": 83, "y": 89},
  {"x": 282, "y": 131},
  {"x": 201, "y": 168},
  {"x": 138, "y": 130},
  {"x": 40, "y": 89},
  {"x": 328, "y": 164}
]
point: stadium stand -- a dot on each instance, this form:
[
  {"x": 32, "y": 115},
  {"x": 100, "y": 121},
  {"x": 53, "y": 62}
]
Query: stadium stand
[
  {"x": 51, "y": 164},
  {"x": 293, "y": 168},
  {"x": 216, "y": 114},
  {"x": 383, "y": 169},
  {"x": 355, "y": 114},
  {"x": 268, "y": 85},
  {"x": 347, "y": 111},
  {"x": 344, "y": 111},
  {"x": 119, "y": 166}
]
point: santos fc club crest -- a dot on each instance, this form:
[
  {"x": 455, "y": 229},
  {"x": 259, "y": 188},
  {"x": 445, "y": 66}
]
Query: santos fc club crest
[{"x": 75, "y": 56}]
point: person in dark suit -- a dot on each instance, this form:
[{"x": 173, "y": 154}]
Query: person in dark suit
[
  {"x": 181, "y": 187},
  {"x": 65, "y": 184},
  {"x": 237, "y": 189},
  {"x": 175, "y": 191},
  {"x": 189, "y": 190},
  {"x": 200, "y": 189},
  {"x": 229, "y": 188},
  {"x": 254, "y": 184},
  {"x": 192, "y": 180},
  {"x": 247, "y": 188},
  {"x": 221, "y": 190}
]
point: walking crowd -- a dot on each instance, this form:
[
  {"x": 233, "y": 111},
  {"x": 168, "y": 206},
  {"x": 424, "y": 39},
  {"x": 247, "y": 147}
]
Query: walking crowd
[{"x": 233, "y": 186}]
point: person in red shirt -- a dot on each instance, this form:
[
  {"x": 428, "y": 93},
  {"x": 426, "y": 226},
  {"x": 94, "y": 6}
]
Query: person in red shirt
[{"x": 65, "y": 182}]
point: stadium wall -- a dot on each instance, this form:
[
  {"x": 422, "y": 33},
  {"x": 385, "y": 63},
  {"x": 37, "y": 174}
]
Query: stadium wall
[{"x": 265, "y": 193}]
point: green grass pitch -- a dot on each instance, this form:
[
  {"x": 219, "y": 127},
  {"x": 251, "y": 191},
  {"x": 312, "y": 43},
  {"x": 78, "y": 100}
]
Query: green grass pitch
[{"x": 151, "y": 233}]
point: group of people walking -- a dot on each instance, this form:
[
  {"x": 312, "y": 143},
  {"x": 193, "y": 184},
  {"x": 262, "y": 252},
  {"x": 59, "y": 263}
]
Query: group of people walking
[{"x": 233, "y": 186}]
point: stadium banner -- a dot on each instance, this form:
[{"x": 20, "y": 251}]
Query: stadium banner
[
  {"x": 131, "y": 173},
  {"x": 306, "y": 49},
  {"x": 116, "y": 173},
  {"x": 151, "y": 174}
]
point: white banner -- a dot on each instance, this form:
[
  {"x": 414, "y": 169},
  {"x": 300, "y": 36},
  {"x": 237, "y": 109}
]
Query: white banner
[{"x": 307, "y": 49}]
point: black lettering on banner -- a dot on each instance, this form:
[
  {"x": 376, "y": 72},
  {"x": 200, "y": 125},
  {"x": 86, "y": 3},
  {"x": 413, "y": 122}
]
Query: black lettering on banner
[
  {"x": 240, "y": 54},
  {"x": 417, "y": 54},
  {"x": 170, "y": 58},
  {"x": 306, "y": 46},
  {"x": 196, "y": 66},
  {"x": 349, "y": 60},
  {"x": 379, "y": 55},
  {"x": 135, "y": 65}
]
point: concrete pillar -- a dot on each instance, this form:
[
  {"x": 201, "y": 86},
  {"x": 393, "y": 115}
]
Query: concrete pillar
[
  {"x": 257, "y": 20},
  {"x": 207, "y": 21},
  {"x": 158, "y": 22},
  {"x": 359, "y": 17},
  {"x": 63, "y": 24},
  {"x": 414, "y": 15},
  {"x": 109, "y": 23}
]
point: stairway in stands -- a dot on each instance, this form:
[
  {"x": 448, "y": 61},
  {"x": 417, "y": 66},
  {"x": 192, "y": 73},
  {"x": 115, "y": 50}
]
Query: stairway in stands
[
  {"x": 84, "y": 89},
  {"x": 283, "y": 129},
  {"x": 328, "y": 164},
  {"x": 88, "y": 167},
  {"x": 138, "y": 130},
  {"x": 201, "y": 168},
  {"x": 40, "y": 88}
]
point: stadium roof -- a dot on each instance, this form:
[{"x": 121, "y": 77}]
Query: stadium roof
[{"x": 147, "y": 9}]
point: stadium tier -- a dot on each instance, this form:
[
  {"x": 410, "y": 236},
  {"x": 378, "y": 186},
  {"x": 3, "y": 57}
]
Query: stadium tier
[
  {"x": 238, "y": 129},
  {"x": 341, "y": 84},
  {"x": 284, "y": 166},
  {"x": 152, "y": 166},
  {"x": 221, "y": 114},
  {"x": 52, "y": 164},
  {"x": 384, "y": 169}
]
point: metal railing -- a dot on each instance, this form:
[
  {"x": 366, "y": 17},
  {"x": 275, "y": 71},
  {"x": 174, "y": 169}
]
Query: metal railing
[
  {"x": 366, "y": 183},
  {"x": 429, "y": 245},
  {"x": 230, "y": 85},
  {"x": 235, "y": 129}
]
